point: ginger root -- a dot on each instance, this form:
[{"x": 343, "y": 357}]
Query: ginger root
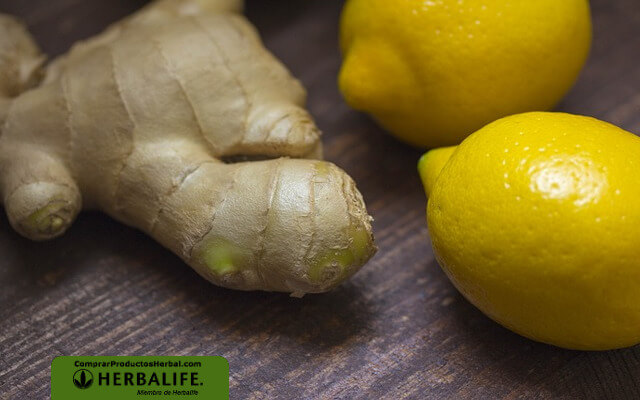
[{"x": 142, "y": 121}]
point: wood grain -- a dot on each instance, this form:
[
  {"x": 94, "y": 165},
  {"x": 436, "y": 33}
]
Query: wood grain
[{"x": 397, "y": 330}]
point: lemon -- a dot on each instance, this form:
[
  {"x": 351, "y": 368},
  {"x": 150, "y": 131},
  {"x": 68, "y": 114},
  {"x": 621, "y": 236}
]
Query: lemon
[
  {"x": 535, "y": 218},
  {"x": 434, "y": 71}
]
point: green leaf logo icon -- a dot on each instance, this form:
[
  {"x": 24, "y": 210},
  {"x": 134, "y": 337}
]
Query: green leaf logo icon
[{"x": 83, "y": 378}]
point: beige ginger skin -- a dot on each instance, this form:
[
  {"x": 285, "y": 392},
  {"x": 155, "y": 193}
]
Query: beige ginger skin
[{"x": 139, "y": 121}]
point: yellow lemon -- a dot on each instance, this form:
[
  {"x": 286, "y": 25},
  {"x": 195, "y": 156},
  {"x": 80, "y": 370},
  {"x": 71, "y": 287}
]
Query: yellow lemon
[
  {"x": 434, "y": 71},
  {"x": 535, "y": 218}
]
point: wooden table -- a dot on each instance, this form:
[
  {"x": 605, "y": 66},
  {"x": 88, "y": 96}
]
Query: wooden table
[{"x": 397, "y": 330}]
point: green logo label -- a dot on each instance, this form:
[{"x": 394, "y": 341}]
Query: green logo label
[{"x": 123, "y": 378}]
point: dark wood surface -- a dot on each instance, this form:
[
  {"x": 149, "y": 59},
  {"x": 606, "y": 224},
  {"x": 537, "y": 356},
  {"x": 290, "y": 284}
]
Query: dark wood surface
[{"x": 398, "y": 329}]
